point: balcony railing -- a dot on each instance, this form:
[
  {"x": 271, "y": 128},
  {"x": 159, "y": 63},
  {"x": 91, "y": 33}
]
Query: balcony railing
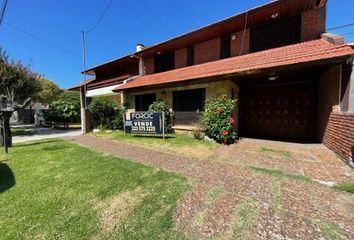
[{"x": 108, "y": 83}]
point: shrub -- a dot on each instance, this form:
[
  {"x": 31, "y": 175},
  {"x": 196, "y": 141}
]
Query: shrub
[
  {"x": 217, "y": 120},
  {"x": 103, "y": 110},
  {"x": 161, "y": 106},
  {"x": 106, "y": 114},
  {"x": 117, "y": 120},
  {"x": 62, "y": 111}
]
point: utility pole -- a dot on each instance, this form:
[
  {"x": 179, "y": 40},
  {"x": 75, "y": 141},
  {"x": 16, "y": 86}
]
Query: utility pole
[{"x": 84, "y": 66}]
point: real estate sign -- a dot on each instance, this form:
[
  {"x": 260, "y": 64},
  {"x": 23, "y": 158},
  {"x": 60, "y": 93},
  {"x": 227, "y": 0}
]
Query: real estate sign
[{"x": 145, "y": 123}]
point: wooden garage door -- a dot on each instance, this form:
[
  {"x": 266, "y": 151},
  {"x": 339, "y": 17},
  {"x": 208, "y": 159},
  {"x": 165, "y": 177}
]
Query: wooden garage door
[{"x": 285, "y": 112}]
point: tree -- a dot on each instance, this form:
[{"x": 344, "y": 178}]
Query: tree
[
  {"x": 17, "y": 85},
  {"x": 70, "y": 96},
  {"x": 50, "y": 91},
  {"x": 62, "y": 111}
]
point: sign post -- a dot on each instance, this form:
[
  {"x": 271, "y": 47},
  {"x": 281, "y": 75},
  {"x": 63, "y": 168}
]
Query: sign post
[{"x": 163, "y": 125}]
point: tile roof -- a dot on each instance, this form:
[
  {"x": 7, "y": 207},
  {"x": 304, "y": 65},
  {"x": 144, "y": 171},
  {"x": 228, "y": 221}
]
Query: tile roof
[{"x": 310, "y": 51}]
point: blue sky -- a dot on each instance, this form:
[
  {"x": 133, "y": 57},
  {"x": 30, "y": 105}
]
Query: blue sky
[{"x": 144, "y": 21}]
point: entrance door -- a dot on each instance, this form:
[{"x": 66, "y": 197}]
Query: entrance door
[{"x": 285, "y": 112}]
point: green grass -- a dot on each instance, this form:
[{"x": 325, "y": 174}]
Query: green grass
[
  {"x": 58, "y": 190},
  {"x": 174, "y": 143},
  {"x": 282, "y": 153},
  {"x": 345, "y": 187},
  {"x": 244, "y": 218},
  {"x": 19, "y": 132},
  {"x": 280, "y": 174}
]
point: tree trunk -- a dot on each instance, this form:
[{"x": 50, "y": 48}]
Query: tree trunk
[{"x": 5, "y": 120}]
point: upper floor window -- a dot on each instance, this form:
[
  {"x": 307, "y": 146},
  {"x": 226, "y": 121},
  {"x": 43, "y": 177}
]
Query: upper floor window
[
  {"x": 190, "y": 56},
  {"x": 164, "y": 62},
  {"x": 276, "y": 34},
  {"x": 225, "y": 46}
]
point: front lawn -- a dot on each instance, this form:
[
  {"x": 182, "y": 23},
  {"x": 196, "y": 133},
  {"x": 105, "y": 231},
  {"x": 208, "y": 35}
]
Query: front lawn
[
  {"x": 58, "y": 190},
  {"x": 174, "y": 143}
]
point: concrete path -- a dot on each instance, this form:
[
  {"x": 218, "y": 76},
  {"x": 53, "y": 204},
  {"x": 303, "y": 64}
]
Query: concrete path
[{"x": 44, "y": 133}]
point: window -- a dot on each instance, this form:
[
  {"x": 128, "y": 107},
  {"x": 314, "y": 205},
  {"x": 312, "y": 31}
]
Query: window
[
  {"x": 276, "y": 34},
  {"x": 164, "y": 62},
  {"x": 189, "y": 100},
  {"x": 143, "y": 102},
  {"x": 225, "y": 47},
  {"x": 190, "y": 56}
]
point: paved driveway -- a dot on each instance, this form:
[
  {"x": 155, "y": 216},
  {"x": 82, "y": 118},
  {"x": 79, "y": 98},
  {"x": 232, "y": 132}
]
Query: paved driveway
[
  {"x": 234, "y": 195},
  {"x": 314, "y": 161},
  {"x": 43, "y": 133}
]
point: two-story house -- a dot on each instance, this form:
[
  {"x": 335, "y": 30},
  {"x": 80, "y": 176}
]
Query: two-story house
[{"x": 291, "y": 80}]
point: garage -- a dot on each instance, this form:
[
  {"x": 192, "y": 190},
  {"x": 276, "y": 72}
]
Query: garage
[{"x": 284, "y": 111}]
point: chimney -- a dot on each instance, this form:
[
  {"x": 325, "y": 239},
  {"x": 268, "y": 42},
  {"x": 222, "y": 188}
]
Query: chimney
[
  {"x": 139, "y": 47},
  {"x": 333, "y": 38}
]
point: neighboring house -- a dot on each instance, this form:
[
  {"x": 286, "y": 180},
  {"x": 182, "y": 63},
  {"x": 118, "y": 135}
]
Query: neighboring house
[{"x": 292, "y": 81}]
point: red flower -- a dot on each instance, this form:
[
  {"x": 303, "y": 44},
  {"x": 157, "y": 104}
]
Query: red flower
[
  {"x": 225, "y": 140},
  {"x": 218, "y": 110},
  {"x": 232, "y": 120},
  {"x": 225, "y": 132}
]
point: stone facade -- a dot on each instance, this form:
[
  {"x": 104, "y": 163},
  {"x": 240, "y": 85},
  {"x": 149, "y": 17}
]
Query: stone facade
[{"x": 213, "y": 89}]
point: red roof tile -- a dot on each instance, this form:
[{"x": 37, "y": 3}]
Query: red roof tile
[{"x": 310, "y": 51}]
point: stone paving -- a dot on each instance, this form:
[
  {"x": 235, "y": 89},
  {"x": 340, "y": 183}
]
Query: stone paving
[{"x": 237, "y": 194}]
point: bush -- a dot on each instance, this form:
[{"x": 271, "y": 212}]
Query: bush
[
  {"x": 117, "y": 120},
  {"x": 161, "y": 106},
  {"x": 217, "y": 120},
  {"x": 106, "y": 114},
  {"x": 103, "y": 110},
  {"x": 62, "y": 111}
]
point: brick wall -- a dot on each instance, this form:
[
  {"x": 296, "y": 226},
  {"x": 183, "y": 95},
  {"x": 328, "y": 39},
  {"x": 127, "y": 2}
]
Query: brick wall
[
  {"x": 207, "y": 51},
  {"x": 313, "y": 24},
  {"x": 236, "y": 43},
  {"x": 149, "y": 65},
  {"x": 328, "y": 96},
  {"x": 335, "y": 128},
  {"x": 181, "y": 58},
  {"x": 339, "y": 135}
]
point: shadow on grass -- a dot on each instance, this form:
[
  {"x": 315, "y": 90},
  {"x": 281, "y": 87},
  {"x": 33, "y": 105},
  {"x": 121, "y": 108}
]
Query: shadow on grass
[
  {"x": 54, "y": 147},
  {"x": 7, "y": 178},
  {"x": 36, "y": 142}
]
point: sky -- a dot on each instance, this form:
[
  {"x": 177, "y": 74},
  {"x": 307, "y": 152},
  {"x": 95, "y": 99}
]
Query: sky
[{"x": 46, "y": 34}]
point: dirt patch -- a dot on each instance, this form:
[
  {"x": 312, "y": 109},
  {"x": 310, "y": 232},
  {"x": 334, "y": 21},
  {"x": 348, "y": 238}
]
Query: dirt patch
[{"x": 115, "y": 210}]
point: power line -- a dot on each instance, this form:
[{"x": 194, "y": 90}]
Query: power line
[
  {"x": 339, "y": 27},
  {"x": 3, "y": 9},
  {"x": 101, "y": 17},
  {"x": 154, "y": 15},
  {"x": 138, "y": 18},
  {"x": 346, "y": 34},
  {"x": 43, "y": 40}
]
